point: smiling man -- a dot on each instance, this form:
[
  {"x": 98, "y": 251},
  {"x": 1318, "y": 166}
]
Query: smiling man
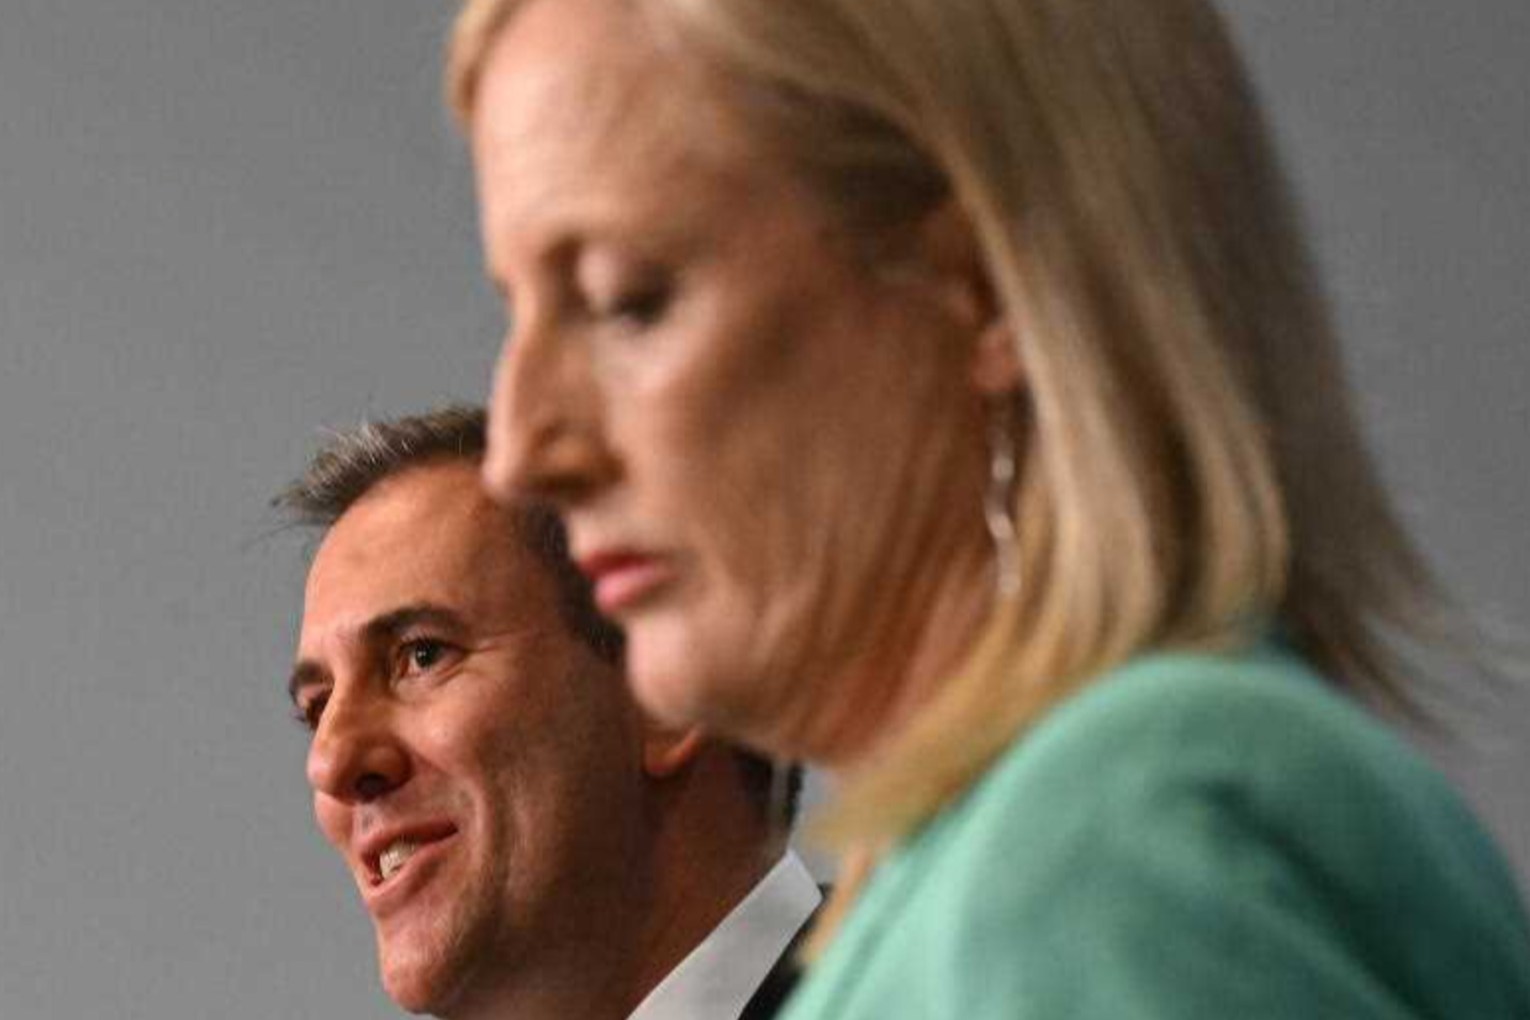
[{"x": 526, "y": 842}]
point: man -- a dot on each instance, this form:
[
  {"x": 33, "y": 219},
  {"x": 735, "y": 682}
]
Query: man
[{"x": 527, "y": 843}]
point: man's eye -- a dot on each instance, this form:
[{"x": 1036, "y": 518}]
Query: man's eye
[
  {"x": 423, "y": 654},
  {"x": 308, "y": 712}
]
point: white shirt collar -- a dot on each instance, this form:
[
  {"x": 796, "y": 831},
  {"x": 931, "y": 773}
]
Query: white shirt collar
[{"x": 718, "y": 978}]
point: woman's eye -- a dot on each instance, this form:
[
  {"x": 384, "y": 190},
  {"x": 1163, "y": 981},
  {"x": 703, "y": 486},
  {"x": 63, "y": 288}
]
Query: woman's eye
[{"x": 641, "y": 306}]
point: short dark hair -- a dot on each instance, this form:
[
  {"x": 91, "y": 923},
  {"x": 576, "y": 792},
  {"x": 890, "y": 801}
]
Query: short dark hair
[{"x": 352, "y": 463}]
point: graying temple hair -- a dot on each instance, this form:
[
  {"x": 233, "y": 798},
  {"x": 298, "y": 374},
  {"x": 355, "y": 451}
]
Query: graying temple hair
[{"x": 352, "y": 462}]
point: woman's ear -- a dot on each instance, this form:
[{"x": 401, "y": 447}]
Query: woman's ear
[
  {"x": 996, "y": 369},
  {"x": 667, "y": 751},
  {"x": 951, "y": 254}
]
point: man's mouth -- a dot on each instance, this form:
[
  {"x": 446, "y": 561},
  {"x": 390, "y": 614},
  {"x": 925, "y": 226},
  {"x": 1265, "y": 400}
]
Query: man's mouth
[
  {"x": 384, "y": 860},
  {"x": 394, "y": 856}
]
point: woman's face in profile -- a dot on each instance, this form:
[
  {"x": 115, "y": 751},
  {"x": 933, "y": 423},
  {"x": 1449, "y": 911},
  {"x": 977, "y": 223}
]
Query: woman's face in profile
[{"x": 770, "y": 456}]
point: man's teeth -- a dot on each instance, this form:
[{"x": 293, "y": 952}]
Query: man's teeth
[{"x": 394, "y": 857}]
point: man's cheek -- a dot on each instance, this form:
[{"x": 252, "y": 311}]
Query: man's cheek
[{"x": 330, "y": 819}]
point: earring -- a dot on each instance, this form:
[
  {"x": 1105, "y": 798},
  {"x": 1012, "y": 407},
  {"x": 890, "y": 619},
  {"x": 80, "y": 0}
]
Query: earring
[{"x": 998, "y": 503}]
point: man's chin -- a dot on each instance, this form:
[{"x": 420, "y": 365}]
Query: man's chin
[{"x": 420, "y": 978}]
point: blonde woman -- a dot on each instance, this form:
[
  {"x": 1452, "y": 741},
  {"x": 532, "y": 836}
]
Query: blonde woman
[{"x": 936, "y": 390}]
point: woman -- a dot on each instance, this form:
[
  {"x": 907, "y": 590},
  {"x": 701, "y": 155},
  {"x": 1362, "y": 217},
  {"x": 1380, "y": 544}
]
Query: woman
[{"x": 936, "y": 390}]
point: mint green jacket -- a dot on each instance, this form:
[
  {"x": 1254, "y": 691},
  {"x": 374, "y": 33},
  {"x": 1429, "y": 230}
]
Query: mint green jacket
[{"x": 1190, "y": 837}]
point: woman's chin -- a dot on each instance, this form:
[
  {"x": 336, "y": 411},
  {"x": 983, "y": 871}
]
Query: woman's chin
[
  {"x": 665, "y": 674},
  {"x": 681, "y": 679}
]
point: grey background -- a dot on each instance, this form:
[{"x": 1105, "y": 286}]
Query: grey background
[{"x": 226, "y": 225}]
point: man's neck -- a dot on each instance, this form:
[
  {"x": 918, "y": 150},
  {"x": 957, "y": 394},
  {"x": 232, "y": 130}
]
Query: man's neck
[
  {"x": 613, "y": 974},
  {"x": 693, "y": 917},
  {"x": 704, "y": 859}
]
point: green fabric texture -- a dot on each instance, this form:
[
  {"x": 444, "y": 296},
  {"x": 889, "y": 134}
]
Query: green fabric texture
[{"x": 1190, "y": 837}]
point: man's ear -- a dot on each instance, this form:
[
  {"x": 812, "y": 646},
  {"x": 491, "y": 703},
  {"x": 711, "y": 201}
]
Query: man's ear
[
  {"x": 950, "y": 252},
  {"x": 668, "y": 751}
]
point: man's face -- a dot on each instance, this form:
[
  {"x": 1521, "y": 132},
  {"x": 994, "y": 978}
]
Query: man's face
[{"x": 475, "y": 765}]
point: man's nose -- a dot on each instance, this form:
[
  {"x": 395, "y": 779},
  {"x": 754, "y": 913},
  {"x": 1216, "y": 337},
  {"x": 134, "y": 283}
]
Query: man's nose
[
  {"x": 356, "y": 756},
  {"x": 547, "y": 437}
]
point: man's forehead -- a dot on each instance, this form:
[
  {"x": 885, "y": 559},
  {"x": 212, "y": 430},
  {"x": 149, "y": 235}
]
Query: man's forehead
[
  {"x": 426, "y": 535},
  {"x": 439, "y": 504},
  {"x": 433, "y": 489}
]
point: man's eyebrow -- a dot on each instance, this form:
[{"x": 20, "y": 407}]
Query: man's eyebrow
[
  {"x": 379, "y": 629},
  {"x": 397, "y": 621}
]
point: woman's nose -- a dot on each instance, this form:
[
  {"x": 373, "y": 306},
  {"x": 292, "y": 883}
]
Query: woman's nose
[{"x": 546, "y": 422}]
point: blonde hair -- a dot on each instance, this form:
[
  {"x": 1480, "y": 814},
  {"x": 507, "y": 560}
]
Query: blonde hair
[{"x": 1192, "y": 471}]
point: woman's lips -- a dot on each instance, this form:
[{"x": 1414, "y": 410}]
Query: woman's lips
[{"x": 623, "y": 578}]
